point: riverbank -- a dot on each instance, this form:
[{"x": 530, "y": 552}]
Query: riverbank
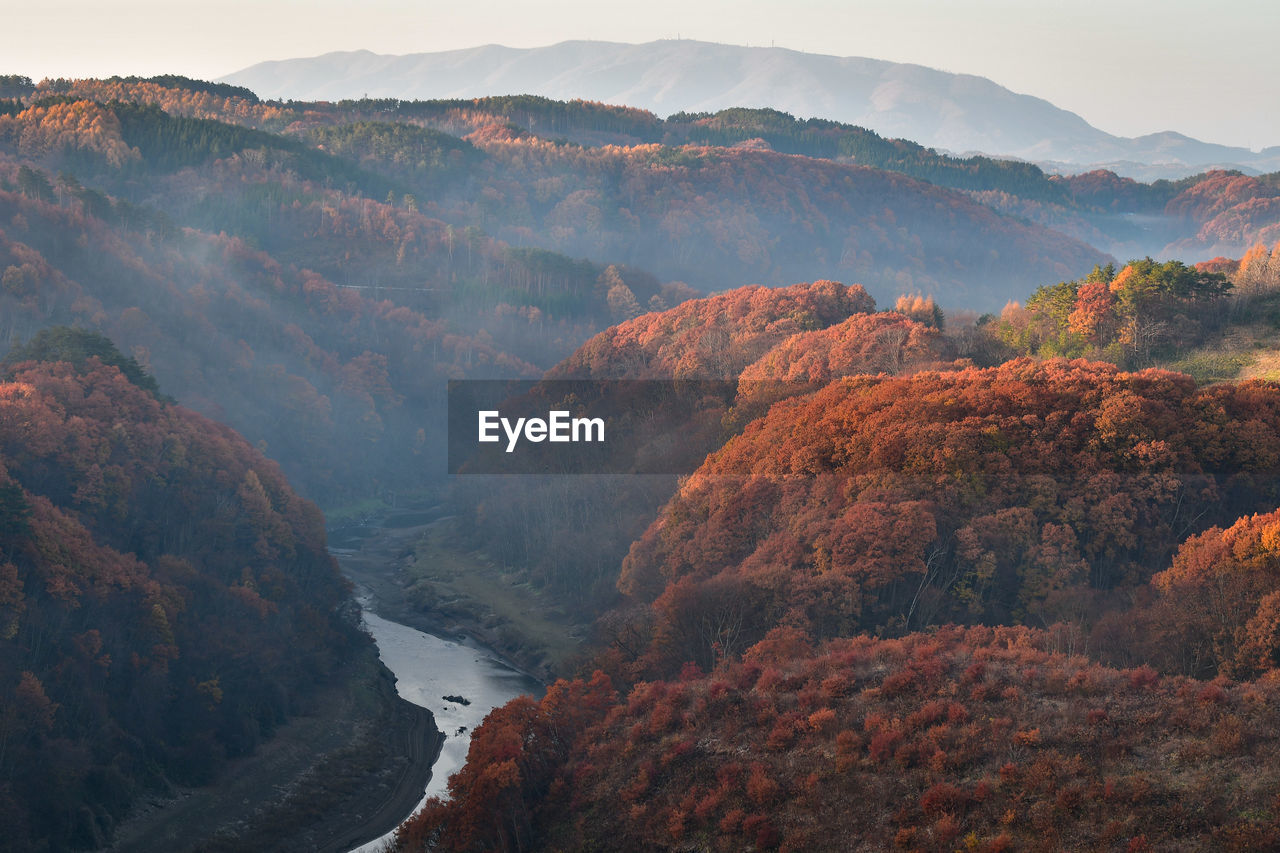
[
  {"x": 354, "y": 768},
  {"x": 415, "y": 575},
  {"x": 328, "y": 781}
]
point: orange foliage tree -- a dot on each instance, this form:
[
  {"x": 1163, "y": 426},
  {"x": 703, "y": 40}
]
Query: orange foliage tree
[{"x": 1019, "y": 492}]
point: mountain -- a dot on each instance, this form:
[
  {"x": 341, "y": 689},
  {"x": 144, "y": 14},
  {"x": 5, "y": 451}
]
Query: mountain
[
  {"x": 712, "y": 217},
  {"x": 985, "y": 500},
  {"x": 531, "y": 170},
  {"x": 241, "y": 336},
  {"x": 986, "y": 739},
  {"x": 785, "y": 664},
  {"x": 344, "y": 312},
  {"x": 166, "y": 600},
  {"x": 958, "y": 112}
]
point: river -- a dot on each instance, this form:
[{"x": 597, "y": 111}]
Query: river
[{"x": 429, "y": 668}]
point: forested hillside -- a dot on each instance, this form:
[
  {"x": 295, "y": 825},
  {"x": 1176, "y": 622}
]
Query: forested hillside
[
  {"x": 622, "y": 186},
  {"x": 962, "y": 552},
  {"x": 166, "y": 600},
  {"x": 334, "y": 383},
  {"x": 1117, "y": 215},
  {"x": 536, "y": 524},
  {"x": 980, "y": 739},
  {"x": 1029, "y": 492},
  {"x": 1121, "y": 523},
  {"x": 711, "y": 217}
]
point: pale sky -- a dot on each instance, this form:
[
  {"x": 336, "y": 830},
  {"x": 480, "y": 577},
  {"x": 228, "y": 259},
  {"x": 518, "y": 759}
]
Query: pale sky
[{"x": 1211, "y": 71}]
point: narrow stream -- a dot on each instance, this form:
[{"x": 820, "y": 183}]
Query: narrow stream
[{"x": 429, "y": 668}]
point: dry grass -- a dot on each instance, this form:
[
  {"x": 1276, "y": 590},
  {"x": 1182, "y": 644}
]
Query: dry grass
[{"x": 1266, "y": 365}]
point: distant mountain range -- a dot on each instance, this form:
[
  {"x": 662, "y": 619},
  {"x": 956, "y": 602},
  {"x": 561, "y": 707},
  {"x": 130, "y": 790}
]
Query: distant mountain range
[{"x": 961, "y": 113}]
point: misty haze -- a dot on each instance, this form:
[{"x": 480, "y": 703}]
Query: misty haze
[{"x": 938, "y": 506}]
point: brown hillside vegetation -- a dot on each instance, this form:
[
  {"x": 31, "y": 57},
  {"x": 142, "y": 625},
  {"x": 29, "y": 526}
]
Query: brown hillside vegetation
[
  {"x": 571, "y": 533},
  {"x": 1029, "y": 491},
  {"x": 165, "y": 598},
  {"x": 981, "y": 739},
  {"x": 238, "y": 335},
  {"x": 715, "y": 337},
  {"x": 865, "y": 343},
  {"x": 888, "y": 343},
  {"x": 1219, "y": 605}
]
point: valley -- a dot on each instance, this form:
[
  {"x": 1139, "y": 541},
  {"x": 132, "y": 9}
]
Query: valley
[
  {"x": 970, "y": 502},
  {"x": 419, "y": 575}
]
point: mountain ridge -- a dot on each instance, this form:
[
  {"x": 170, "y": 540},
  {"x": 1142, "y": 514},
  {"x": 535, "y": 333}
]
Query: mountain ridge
[{"x": 951, "y": 111}]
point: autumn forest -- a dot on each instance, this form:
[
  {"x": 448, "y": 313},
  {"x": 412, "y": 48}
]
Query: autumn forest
[{"x": 980, "y": 549}]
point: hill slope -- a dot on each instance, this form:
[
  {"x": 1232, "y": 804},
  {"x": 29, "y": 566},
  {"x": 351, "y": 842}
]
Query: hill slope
[
  {"x": 986, "y": 739},
  {"x": 959, "y": 112},
  {"x": 166, "y": 600}
]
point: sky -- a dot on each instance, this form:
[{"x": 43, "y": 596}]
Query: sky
[{"x": 1127, "y": 67}]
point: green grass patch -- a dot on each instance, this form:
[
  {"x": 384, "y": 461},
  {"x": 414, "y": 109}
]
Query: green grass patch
[
  {"x": 1209, "y": 365},
  {"x": 355, "y": 513}
]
